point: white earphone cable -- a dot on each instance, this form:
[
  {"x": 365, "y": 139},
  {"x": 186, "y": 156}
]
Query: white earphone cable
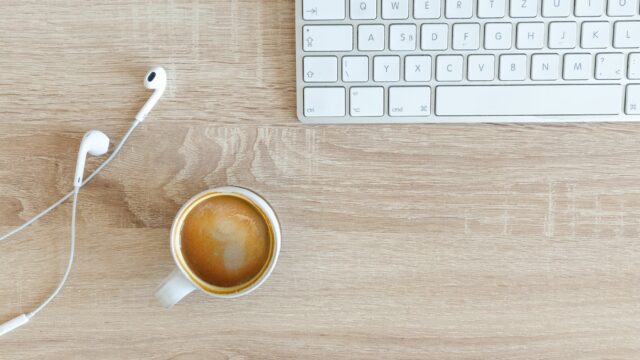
[
  {"x": 115, "y": 152},
  {"x": 72, "y": 251}
]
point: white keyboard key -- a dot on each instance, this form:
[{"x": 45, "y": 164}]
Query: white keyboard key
[
  {"x": 545, "y": 67},
  {"x": 386, "y": 68},
  {"x": 367, "y": 101},
  {"x": 426, "y": 9},
  {"x": 409, "y": 101},
  {"x": 355, "y": 68},
  {"x": 513, "y": 67},
  {"x": 480, "y": 67},
  {"x": 523, "y": 8},
  {"x": 395, "y": 9},
  {"x": 609, "y": 66},
  {"x": 491, "y": 8},
  {"x": 402, "y": 37},
  {"x": 504, "y": 100},
  {"x": 577, "y": 66},
  {"x": 466, "y": 36},
  {"x": 458, "y": 9},
  {"x": 320, "y": 69},
  {"x": 589, "y": 7},
  {"x": 632, "y": 106},
  {"x": 626, "y": 34},
  {"x": 530, "y": 35},
  {"x": 622, "y": 8},
  {"x": 323, "y": 9},
  {"x": 417, "y": 68},
  {"x": 562, "y": 35},
  {"x": 595, "y": 35},
  {"x": 327, "y": 38},
  {"x": 324, "y": 102},
  {"x": 363, "y": 9},
  {"x": 434, "y": 36},
  {"x": 633, "y": 71},
  {"x": 497, "y": 36},
  {"x": 371, "y": 37},
  {"x": 556, "y": 8},
  {"x": 449, "y": 68}
]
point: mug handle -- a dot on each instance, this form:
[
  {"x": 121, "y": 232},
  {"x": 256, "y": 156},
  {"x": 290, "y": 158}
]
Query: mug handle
[{"x": 174, "y": 287}]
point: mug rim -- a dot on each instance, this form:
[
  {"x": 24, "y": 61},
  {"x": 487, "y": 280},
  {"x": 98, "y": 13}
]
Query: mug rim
[{"x": 267, "y": 210}]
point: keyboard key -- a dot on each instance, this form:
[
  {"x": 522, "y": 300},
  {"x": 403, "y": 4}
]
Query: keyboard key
[
  {"x": 355, "y": 68},
  {"x": 363, "y": 9},
  {"x": 449, "y": 67},
  {"x": 609, "y": 66},
  {"x": 402, "y": 37},
  {"x": 556, "y": 8},
  {"x": 523, "y": 8},
  {"x": 323, "y": 9},
  {"x": 562, "y": 35},
  {"x": 595, "y": 35},
  {"x": 589, "y": 7},
  {"x": 434, "y": 36},
  {"x": 426, "y": 9},
  {"x": 626, "y": 34},
  {"x": 577, "y": 67},
  {"x": 417, "y": 68},
  {"x": 367, "y": 101},
  {"x": 497, "y": 36},
  {"x": 545, "y": 67},
  {"x": 513, "y": 67},
  {"x": 327, "y": 38},
  {"x": 458, "y": 9},
  {"x": 371, "y": 37},
  {"x": 386, "y": 68},
  {"x": 320, "y": 69},
  {"x": 503, "y": 100},
  {"x": 324, "y": 102},
  {"x": 632, "y": 104},
  {"x": 466, "y": 36},
  {"x": 530, "y": 35},
  {"x": 480, "y": 67},
  {"x": 491, "y": 8},
  {"x": 409, "y": 101},
  {"x": 622, "y": 7},
  {"x": 395, "y": 9},
  {"x": 633, "y": 71}
]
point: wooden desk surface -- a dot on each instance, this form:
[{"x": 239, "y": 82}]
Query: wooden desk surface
[{"x": 409, "y": 241}]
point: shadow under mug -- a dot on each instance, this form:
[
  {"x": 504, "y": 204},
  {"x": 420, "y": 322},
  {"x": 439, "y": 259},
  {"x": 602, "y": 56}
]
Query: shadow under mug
[{"x": 182, "y": 281}]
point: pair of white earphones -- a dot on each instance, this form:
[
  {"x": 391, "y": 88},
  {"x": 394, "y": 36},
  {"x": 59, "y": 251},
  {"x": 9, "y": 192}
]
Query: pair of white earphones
[{"x": 94, "y": 143}]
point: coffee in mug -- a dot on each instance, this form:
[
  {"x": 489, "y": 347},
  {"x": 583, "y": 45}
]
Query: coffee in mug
[{"x": 225, "y": 242}]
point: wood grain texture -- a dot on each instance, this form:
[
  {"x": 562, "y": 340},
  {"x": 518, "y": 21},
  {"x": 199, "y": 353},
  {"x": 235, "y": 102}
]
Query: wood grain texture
[{"x": 408, "y": 241}]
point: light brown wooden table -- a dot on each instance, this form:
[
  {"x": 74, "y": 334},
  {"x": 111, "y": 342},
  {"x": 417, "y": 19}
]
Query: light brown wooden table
[{"x": 407, "y": 241}]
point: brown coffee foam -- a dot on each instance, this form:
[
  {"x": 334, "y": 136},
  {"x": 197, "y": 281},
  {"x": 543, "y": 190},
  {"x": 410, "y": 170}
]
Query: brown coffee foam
[{"x": 225, "y": 240}]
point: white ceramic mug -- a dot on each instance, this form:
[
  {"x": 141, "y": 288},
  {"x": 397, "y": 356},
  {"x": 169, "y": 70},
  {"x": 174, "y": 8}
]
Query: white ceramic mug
[{"x": 182, "y": 281}]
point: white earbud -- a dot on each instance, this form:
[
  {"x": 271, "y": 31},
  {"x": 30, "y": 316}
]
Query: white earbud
[
  {"x": 156, "y": 80},
  {"x": 95, "y": 143}
]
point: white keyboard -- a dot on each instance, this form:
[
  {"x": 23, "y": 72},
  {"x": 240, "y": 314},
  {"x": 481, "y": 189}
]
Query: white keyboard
[{"x": 397, "y": 61}]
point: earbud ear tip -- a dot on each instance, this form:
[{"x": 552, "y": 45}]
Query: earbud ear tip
[
  {"x": 99, "y": 143},
  {"x": 156, "y": 78}
]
